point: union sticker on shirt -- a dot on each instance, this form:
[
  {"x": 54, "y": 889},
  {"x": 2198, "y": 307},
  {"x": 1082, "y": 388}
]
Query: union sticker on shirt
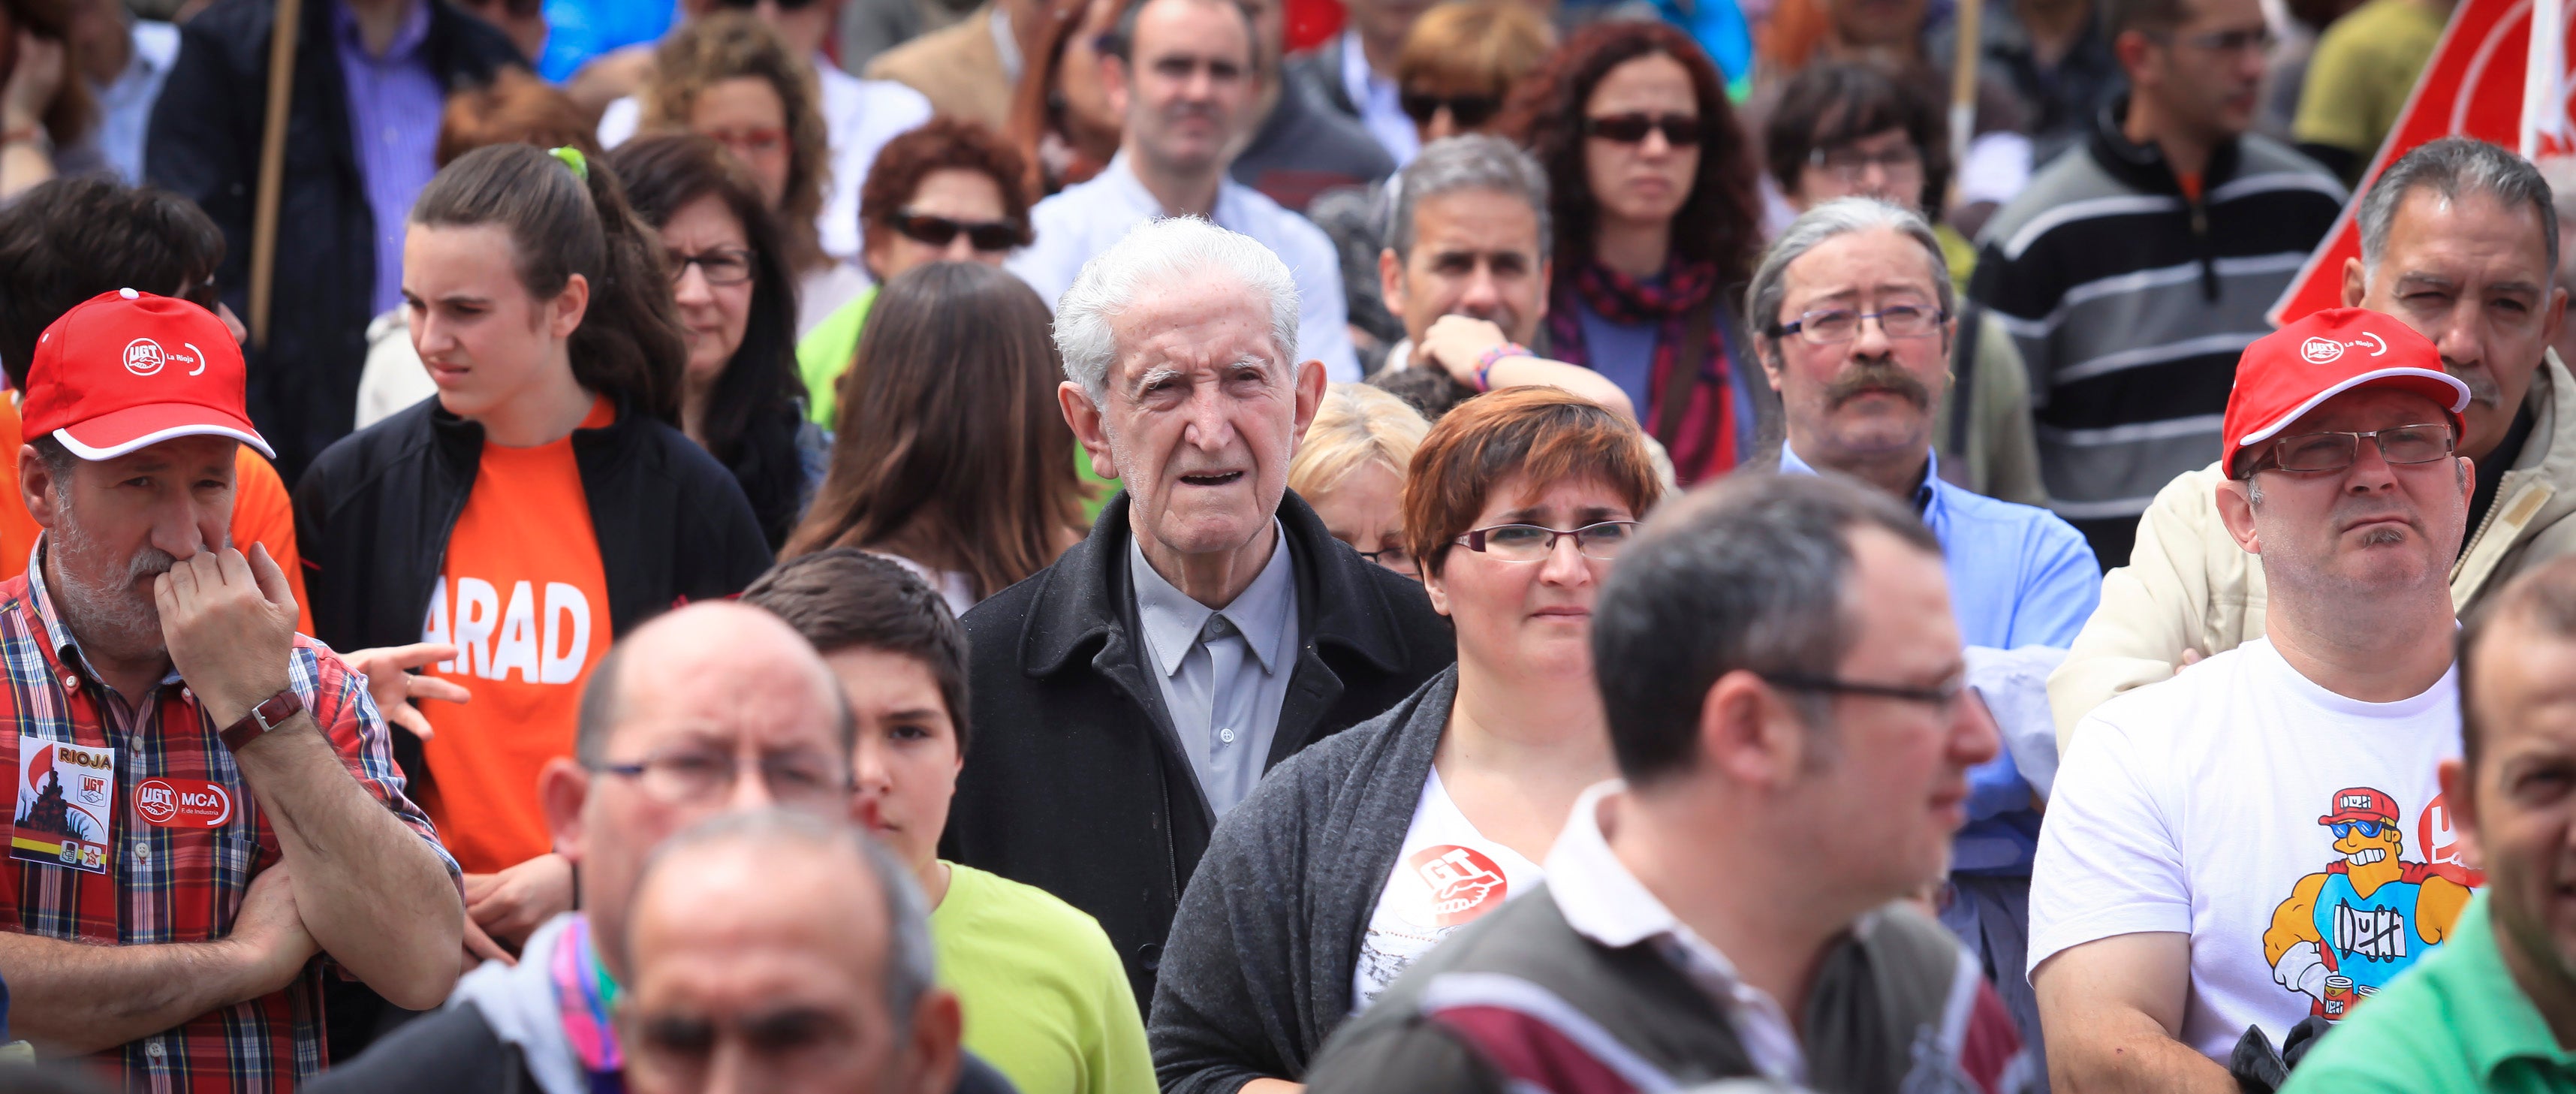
[
  {"x": 182, "y": 803},
  {"x": 64, "y": 795},
  {"x": 1452, "y": 886}
]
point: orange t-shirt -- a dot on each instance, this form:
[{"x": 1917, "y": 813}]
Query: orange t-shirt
[
  {"x": 261, "y": 512},
  {"x": 525, "y": 601}
]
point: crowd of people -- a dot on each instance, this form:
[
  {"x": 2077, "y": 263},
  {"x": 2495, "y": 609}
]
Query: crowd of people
[{"x": 1094, "y": 546}]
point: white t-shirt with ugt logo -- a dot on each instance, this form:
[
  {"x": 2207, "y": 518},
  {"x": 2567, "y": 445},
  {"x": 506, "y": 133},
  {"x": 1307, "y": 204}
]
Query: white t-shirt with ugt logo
[{"x": 1447, "y": 876}]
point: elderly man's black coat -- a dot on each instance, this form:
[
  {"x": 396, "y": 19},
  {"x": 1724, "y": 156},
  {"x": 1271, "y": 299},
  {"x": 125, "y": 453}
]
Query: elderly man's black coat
[{"x": 1075, "y": 781}]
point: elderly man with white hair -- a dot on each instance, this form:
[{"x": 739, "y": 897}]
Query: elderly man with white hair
[{"x": 1207, "y": 629}]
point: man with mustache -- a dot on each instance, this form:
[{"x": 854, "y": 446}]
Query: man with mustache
[
  {"x": 2180, "y": 922},
  {"x": 2459, "y": 240},
  {"x": 1854, "y": 306},
  {"x": 205, "y": 801},
  {"x": 1210, "y": 627},
  {"x": 1184, "y": 74}
]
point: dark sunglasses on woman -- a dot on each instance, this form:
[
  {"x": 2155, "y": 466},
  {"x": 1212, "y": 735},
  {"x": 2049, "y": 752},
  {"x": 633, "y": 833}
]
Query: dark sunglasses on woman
[
  {"x": 1467, "y": 111},
  {"x": 983, "y": 235},
  {"x": 1679, "y": 129},
  {"x": 783, "y": 5}
]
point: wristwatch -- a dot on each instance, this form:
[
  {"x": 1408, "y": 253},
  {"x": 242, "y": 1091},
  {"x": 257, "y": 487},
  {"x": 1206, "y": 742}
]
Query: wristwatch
[{"x": 268, "y": 715}]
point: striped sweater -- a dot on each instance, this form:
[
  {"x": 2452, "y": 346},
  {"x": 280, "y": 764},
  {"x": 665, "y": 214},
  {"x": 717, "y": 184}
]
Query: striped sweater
[{"x": 2131, "y": 302}]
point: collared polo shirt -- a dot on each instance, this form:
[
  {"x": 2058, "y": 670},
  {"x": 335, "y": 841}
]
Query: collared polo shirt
[
  {"x": 2454, "y": 1022},
  {"x": 1223, "y": 671},
  {"x": 1076, "y": 225},
  {"x": 1602, "y": 901},
  {"x": 395, "y": 105},
  {"x": 172, "y": 875}
]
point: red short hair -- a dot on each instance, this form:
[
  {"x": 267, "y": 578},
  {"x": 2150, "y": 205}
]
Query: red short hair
[
  {"x": 942, "y": 143},
  {"x": 1548, "y": 434}
]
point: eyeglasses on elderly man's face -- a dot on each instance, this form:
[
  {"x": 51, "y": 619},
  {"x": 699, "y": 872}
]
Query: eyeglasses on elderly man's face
[
  {"x": 695, "y": 775},
  {"x": 1832, "y": 326},
  {"x": 2334, "y": 451}
]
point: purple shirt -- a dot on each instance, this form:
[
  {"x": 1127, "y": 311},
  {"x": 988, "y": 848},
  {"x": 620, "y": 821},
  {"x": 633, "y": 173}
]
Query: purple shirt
[{"x": 394, "y": 107}]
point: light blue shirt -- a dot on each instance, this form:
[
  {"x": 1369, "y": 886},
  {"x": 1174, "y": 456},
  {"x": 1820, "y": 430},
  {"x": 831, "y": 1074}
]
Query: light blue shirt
[
  {"x": 2019, "y": 576},
  {"x": 1223, "y": 671},
  {"x": 125, "y": 106},
  {"x": 1085, "y": 219},
  {"x": 1381, "y": 103}
]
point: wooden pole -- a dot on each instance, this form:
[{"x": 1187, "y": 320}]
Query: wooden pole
[
  {"x": 1963, "y": 83},
  {"x": 272, "y": 166}
]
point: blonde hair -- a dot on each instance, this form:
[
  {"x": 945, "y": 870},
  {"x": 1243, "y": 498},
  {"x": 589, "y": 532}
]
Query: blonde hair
[
  {"x": 1481, "y": 44},
  {"x": 1356, "y": 425}
]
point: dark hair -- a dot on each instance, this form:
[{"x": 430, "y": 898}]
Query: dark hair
[
  {"x": 941, "y": 144},
  {"x": 66, "y": 240},
  {"x": 1749, "y": 574},
  {"x": 846, "y": 598},
  {"x": 1833, "y": 103},
  {"x": 2543, "y": 599},
  {"x": 73, "y": 112},
  {"x": 1718, "y": 223},
  {"x": 756, "y": 406},
  {"x": 629, "y": 344},
  {"x": 726, "y": 45},
  {"x": 952, "y": 450},
  {"x": 1430, "y": 391},
  {"x": 1038, "y": 109},
  {"x": 514, "y": 108},
  {"x": 1120, "y": 42},
  {"x": 2144, "y": 16},
  {"x": 1548, "y": 434}
]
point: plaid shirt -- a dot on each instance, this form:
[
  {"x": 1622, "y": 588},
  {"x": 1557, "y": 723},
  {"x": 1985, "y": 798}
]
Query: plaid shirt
[{"x": 175, "y": 884}]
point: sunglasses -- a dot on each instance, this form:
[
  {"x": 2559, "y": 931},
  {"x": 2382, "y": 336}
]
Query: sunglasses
[
  {"x": 2368, "y": 829},
  {"x": 1680, "y": 130},
  {"x": 983, "y": 235},
  {"x": 783, "y": 5},
  {"x": 1468, "y": 111}
]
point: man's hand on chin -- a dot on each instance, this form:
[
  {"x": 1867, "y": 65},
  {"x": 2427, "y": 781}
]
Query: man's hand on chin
[{"x": 229, "y": 622}]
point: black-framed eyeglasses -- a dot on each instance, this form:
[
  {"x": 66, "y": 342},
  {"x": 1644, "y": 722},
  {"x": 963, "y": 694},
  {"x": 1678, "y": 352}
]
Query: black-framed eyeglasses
[
  {"x": 983, "y": 235},
  {"x": 1679, "y": 130},
  {"x": 2256, "y": 39},
  {"x": 1395, "y": 558},
  {"x": 722, "y": 266},
  {"x": 692, "y": 776},
  {"x": 1600, "y": 542},
  {"x": 1467, "y": 111},
  {"x": 2423, "y": 442},
  {"x": 1941, "y": 695},
  {"x": 1828, "y": 326},
  {"x": 1849, "y": 164}
]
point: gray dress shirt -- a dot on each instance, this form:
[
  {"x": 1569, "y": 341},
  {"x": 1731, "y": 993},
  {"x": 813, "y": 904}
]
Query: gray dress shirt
[{"x": 1223, "y": 671}]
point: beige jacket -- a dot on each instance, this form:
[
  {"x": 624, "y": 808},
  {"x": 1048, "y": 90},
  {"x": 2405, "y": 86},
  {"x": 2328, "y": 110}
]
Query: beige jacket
[
  {"x": 2188, "y": 586},
  {"x": 958, "y": 68}
]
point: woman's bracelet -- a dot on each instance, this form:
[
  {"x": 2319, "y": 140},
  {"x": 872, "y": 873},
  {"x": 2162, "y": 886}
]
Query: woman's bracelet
[{"x": 1485, "y": 362}]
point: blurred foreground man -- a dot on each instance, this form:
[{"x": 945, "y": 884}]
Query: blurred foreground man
[
  {"x": 205, "y": 800},
  {"x": 2235, "y": 850},
  {"x": 2495, "y": 1010},
  {"x": 777, "y": 952},
  {"x": 1775, "y": 651}
]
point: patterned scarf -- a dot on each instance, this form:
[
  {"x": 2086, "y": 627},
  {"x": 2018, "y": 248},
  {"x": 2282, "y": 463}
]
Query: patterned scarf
[
  {"x": 585, "y": 995},
  {"x": 1703, "y": 447}
]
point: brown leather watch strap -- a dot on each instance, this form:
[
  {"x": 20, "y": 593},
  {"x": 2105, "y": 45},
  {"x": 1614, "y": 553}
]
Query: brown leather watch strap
[{"x": 266, "y": 716}]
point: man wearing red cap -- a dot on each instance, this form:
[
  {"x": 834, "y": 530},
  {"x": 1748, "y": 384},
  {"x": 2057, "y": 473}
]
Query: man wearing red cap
[
  {"x": 204, "y": 799},
  {"x": 2182, "y": 845}
]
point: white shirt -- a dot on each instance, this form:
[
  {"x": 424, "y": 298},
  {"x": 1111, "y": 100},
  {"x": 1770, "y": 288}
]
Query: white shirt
[
  {"x": 1446, "y": 876},
  {"x": 1381, "y": 103},
  {"x": 125, "y": 106},
  {"x": 2197, "y": 806},
  {"x": 1085, "y": 219},
  {"x": 859, "y": 116},
  {"x": 1602, "y": 901}
]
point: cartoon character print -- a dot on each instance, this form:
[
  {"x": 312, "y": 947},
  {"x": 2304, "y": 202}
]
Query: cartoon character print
[{"x": 2347, "y": 930}]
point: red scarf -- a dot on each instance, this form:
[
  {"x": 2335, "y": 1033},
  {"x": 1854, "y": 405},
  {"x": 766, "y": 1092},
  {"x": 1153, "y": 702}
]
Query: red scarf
[{"x": 1704, "y": 445}]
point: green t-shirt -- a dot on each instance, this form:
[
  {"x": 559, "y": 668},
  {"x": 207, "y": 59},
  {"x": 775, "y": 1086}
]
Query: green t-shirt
[
  {"x": 1046, "y": 1000},
  {"x": 2364, "y": 67},
  {"x": 2454, "y": 1022}
]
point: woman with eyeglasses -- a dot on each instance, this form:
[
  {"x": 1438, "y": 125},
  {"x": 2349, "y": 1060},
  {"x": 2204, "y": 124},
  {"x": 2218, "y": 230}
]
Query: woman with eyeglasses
[
  {"x": 1355, "y": 857},
  {"x": 1651, "y": 190},
  {"x": 1350, "y": 468},
  {"x": 1850, "y": 129},
  {"x": 949, "y": 191},
  {"x": 739, "y": 398}
]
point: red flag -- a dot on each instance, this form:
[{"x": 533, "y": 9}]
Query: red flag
[{"x": 2472, "y": 87}]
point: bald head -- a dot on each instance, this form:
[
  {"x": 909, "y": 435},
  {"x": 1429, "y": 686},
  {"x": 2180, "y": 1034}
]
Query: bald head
[{"x": 707, "y": 650}]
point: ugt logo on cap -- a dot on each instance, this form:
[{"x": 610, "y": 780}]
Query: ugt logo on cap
[
  {"x": 144, "y": 357},
  {"x": 2319, "y": 351}
]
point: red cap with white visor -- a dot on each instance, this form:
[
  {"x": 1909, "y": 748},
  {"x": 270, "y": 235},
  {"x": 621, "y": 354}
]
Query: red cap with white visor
[
  {"x": 2295, "y": 369},
  {"x": 124, "y": 370}
]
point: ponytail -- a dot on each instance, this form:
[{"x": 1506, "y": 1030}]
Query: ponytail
[{"x": 569, "y": 217}]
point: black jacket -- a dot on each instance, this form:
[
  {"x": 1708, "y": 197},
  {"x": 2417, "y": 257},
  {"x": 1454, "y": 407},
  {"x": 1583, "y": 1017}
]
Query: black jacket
[
  {"x": 204, "y": 144},
  {"x": 1320, "y": 69},
  {"x": 373, "y": 516},
  {"x": 1075, "y": 781}
]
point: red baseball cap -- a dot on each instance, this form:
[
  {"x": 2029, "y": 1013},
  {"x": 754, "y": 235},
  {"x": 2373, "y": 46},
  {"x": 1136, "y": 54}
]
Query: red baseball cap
[
  {"x": 2359, "y": 803},
  {"x": 126, "y": 369},
  {"x": 2290, "y": 371}
]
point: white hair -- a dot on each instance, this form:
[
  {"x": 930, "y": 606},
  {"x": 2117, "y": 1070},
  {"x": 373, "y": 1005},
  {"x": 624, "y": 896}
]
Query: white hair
[{"x": 1158, "y": 254}]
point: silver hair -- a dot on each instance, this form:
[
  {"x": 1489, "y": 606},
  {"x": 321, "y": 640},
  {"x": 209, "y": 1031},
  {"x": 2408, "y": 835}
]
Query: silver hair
[
  {"x": 911, "y": 965},
  {"x": 1163, "y": 254},
  {"x": 1471, "y": 162},
  {"x": 2453, "y": 167},
  {"x": 1840, "y": 217}
]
